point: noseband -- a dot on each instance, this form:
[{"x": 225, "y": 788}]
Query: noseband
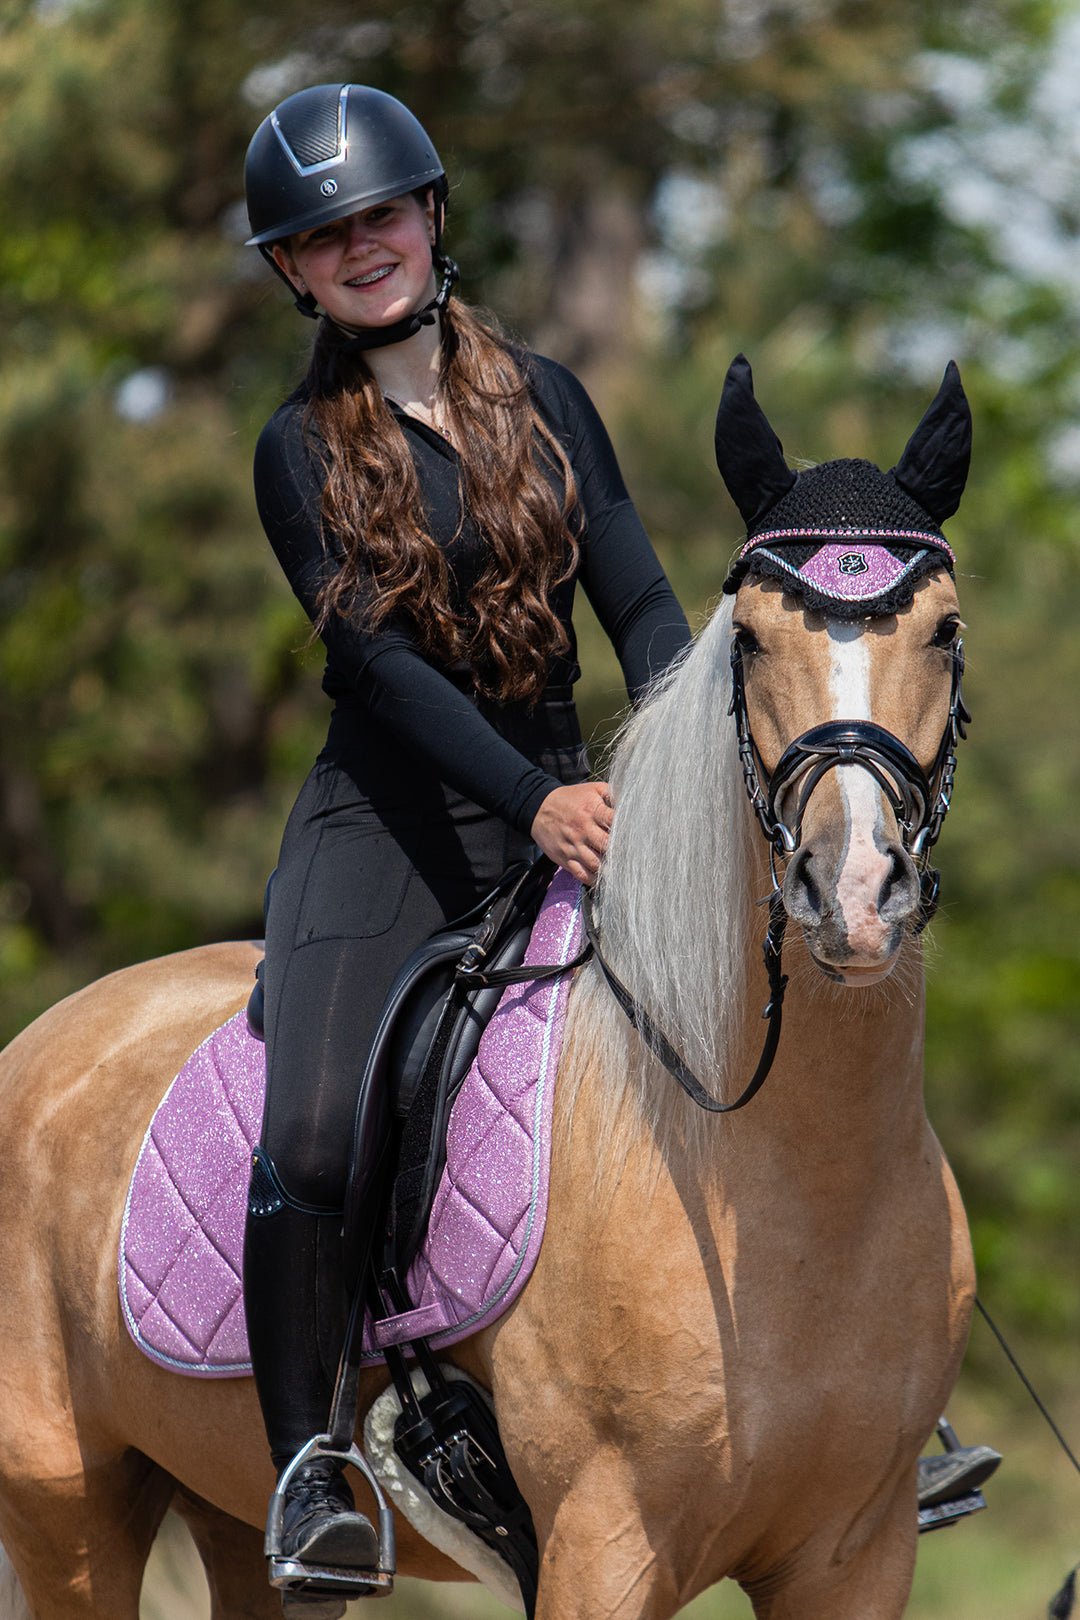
[{"x": 919, "y": 803}]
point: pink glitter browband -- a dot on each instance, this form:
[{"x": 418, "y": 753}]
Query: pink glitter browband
[
  {"x": 853, "y": 535},
  {"x": 847, "y": 569}
]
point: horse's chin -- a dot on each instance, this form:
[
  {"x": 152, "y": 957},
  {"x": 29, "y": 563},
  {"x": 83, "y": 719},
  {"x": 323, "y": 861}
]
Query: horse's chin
[{"x": 853, "y": 975}]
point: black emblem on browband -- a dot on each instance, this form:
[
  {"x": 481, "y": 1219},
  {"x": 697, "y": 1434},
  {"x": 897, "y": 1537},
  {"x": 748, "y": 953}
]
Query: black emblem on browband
[{"x": 853, "y": 562}]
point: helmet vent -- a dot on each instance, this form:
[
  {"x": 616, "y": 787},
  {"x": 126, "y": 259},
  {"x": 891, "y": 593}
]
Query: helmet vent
[{"x": 312, "y": 134}]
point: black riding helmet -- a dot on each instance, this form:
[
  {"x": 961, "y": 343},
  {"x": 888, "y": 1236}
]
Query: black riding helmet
[{"x": 328, "y": 152}]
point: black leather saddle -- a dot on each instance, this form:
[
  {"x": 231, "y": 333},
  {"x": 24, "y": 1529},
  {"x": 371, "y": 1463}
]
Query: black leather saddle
[
  {"x": 434, "y": 1015},
  {"x": 427, "y": 1037}
]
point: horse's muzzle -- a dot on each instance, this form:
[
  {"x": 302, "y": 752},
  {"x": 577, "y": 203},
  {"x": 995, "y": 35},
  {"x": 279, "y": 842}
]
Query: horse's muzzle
[{"x": 855, "y": 907}]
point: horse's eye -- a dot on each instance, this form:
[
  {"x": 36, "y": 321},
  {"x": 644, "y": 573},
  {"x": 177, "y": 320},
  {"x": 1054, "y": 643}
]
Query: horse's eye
[
  {"x": 747, "y": 641},
  {"x": 946, "y": 633}
]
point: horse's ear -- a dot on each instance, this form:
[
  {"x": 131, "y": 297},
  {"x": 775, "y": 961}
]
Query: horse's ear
[
  {"x": 934, "y": 467},
  {"x": 748, "y": 453}
]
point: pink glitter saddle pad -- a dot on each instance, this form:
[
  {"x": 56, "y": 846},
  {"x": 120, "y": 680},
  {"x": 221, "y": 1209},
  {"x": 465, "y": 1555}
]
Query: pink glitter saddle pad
[{"x": 182, "y": 1236}]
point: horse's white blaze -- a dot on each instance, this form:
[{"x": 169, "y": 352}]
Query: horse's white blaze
[
  {"x": 864, "y": 867},
  {"x": 849, "y": 671}
]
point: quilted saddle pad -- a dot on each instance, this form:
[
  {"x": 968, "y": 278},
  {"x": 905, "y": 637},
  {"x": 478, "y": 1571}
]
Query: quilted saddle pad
[{"x": 181, "y": 1241}]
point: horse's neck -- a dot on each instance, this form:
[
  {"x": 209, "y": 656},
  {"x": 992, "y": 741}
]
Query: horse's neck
[{"x": 843, "y": 1106}]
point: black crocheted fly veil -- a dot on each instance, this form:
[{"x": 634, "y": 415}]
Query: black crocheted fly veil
[{"x": 854, "y": 505}]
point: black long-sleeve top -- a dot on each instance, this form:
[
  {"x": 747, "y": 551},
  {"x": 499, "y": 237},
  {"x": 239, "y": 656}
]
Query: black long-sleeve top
[{"x": 432, "y": 710}]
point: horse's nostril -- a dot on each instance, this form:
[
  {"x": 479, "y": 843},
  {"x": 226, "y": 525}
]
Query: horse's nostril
[
  {"x": 899, "y": 892},
  {"x": 802, "y": 894}
]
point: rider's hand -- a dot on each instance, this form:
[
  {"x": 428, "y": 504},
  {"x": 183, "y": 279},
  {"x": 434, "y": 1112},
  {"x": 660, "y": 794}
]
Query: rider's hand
[{"x": 572, "y": 826}]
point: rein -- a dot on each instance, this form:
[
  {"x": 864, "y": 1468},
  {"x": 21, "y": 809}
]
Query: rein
[
  {"x": 919, "y": 803},
  {"x": 657, "y": 1041}
]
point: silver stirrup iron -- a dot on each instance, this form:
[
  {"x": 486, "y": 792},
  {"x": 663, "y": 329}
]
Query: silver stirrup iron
[{"x": 334, "y": 1582}]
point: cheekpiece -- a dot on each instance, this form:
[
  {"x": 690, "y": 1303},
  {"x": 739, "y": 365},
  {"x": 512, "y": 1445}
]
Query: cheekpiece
[{"x": 847, "y": 539}]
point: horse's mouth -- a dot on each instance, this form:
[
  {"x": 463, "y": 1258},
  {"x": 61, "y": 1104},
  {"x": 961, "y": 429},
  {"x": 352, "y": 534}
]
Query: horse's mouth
[
  {"x": 854, "y": 961},
  {"x": 855, "y": 977}
]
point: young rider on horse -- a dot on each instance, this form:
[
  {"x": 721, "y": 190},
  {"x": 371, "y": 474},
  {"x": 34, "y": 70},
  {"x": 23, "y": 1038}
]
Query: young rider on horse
[{"x": 433, "y": 493}]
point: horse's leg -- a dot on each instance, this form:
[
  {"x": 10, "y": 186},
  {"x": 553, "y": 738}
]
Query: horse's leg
[
  {"x": 597, "y": 1561},
  {"x": 79, "y": 1540},
  {"x": 593, "y": 1570},
  {"x": 610, "y": 1552},
  {"x": 871, "y": 1581},
  {"x": 233, "y": 1558}
]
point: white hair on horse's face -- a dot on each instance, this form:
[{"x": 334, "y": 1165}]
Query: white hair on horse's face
[{"x": 673, "y": 900}]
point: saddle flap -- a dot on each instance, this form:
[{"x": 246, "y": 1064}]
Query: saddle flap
[
  {"x": 422, "y": 1152},
  {"x": 427, "y": 1037},
  {"x": 412, "y": 1013}
]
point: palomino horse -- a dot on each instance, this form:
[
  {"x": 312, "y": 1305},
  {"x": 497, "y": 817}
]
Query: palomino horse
[{"x": 740, "y": 1331}]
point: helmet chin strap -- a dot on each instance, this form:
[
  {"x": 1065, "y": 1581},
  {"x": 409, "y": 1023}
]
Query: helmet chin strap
[
  {"x": 304, "y": 302},
  {"x": 362, "y": 338}
]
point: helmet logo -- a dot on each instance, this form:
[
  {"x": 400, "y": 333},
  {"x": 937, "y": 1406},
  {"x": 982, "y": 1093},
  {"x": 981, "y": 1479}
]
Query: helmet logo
[{"x": 328, "y": 188}]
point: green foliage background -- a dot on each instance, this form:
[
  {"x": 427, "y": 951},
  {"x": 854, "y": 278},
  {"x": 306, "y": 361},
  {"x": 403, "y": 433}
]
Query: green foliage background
[{"x": 850, "y": 192}]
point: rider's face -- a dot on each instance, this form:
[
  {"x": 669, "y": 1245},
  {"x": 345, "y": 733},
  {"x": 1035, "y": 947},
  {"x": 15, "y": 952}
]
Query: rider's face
[{"x": 372, "y": 267}]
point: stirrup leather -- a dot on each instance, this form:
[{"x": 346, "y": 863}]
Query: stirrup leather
[
  {"x": 449, "y": 1441},
  {"x": 292, "y": 1576}
]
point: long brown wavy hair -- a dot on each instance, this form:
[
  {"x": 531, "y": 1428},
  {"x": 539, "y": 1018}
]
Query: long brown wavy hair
[{"x": 517, "y": 488}]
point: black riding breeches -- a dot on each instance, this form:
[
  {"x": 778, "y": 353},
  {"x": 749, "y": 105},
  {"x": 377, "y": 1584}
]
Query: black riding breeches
[
  {"x": 360, "y": 884},
  {"x": 376, "y": 856}
]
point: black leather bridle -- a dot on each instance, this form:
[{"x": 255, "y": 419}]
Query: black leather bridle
[{"x": 920, "y": 803}]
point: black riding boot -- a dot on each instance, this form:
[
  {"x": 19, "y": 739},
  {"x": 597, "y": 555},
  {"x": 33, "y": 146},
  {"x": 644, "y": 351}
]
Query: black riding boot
[{"x": 292, "y": 1279}]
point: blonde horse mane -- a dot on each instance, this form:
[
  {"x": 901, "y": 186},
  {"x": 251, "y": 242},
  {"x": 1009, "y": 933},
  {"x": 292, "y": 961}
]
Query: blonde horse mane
[{"x": 672, "y": 903}]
